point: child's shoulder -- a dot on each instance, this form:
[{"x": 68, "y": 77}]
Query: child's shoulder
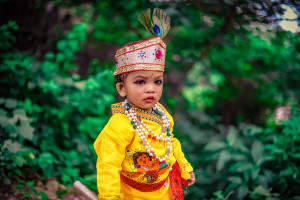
[
  {"x": 118, "y": 127},
  {"x": 119, "y": 121}
]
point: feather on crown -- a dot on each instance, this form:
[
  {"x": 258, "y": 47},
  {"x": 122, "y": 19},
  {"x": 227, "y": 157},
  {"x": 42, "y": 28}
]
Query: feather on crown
[
  {"x": 157, "y": 23},
  {"x": 148, "y": 54}
]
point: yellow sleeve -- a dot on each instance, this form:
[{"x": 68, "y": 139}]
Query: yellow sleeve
[
  {"x": 110, "y": 148},
  {"x": 185, "y": 166}
]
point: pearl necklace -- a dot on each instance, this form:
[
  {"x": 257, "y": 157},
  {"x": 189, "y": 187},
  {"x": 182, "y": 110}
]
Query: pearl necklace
[{"x": 145, "y": 132}]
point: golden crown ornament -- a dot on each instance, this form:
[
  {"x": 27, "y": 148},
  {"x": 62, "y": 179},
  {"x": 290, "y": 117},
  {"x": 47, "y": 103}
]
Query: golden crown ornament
[{"x": 149, "y": 54}]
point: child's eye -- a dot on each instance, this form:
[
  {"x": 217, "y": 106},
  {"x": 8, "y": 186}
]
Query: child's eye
[
  {"x": 139, "y": 82},
  {"x": 158, "y": 82}
]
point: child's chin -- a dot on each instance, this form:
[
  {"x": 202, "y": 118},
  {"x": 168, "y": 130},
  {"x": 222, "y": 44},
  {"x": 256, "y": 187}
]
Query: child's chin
[{"x": 148, "y": 108}]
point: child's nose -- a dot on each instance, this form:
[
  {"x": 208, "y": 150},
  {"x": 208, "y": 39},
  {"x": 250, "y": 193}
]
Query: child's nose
[{"x": 150, "y": 88}]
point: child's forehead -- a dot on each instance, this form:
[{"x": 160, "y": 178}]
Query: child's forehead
[{"x": 146, "y": 73}]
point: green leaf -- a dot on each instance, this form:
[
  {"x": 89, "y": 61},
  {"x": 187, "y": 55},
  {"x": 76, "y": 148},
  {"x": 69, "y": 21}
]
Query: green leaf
[
  {"x": 43, "y": 195},
  {"x": 26, "y": 131},
  {"x": 28, "y": 195},
  {"x": 62, "y": 45},
  {"x": 240, "y": 167},
  {"x": 256, "y": 152},
  {"x": 6, "y": 181},
  {"x": 223, "y": 158},
  {"x": 255, "y": 172},
  {"x": 231, "y": 135},
  {"x": 231, "y": 187},
  {"x": 19, "y": 186},
  {"x": 239, "y": 145},
  {"x": 296, "y": 155},
  {"x": 235, "y": 179},
  {"x": 215, "y": 146},
  {"x": 242, "y": 191},
  {"x": 252, "y": 130},
  {"x": 30, "y": 183},
  {"x": 46, "y": 158},
  {"x": 60, "y": 57},
  {"x": 11, "y": 103},
  {"x": 4, "y": 121},
  {"x": 2, "y": 100},
  {"x": 238, "y": 157},
  {"x": 50, "y": 56},
  {"x": 286, "y": 172},
  {"x": 20, "y": 114},
  {"x": 13, "y": 147},
  {"x": 261, "y": 191}
]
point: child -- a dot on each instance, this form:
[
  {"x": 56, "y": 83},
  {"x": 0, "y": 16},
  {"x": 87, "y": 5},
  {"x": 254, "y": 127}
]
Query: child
[{"x": 138, "y": 156}]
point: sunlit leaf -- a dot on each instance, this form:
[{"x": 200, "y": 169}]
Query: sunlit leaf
[
  {"x": 2, "y": 100},
  {"x": 223, "y": 158},
  {"x": 11, "y": 103},
  {"x": 242, "y": 191},
  {"x": 232, "y": 135},
  {"x": 26, "y": 131},
  {"x": 257, "y": 151},
  {"x": 13, "y": 147},
  {"x": 240, "y": 167},
  {"x": 261, "y": 191},
  {"x": 235, "y": 179},
  {"x": 215, "y": 146}
]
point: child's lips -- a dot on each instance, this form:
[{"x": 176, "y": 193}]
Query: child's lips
[{"x": 149, "y": 99}]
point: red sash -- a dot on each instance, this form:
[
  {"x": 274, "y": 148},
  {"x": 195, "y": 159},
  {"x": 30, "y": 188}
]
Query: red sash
[
  {"x": 176, "y": 183},
  {"x": 143, "y": 187}
]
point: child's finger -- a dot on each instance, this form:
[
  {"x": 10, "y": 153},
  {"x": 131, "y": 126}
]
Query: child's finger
[{"x": 192, "y": 180}]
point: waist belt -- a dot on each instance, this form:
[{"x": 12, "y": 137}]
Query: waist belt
[
  {"x": 143, "y": 187},
  {"x": 176, "y": 183}
]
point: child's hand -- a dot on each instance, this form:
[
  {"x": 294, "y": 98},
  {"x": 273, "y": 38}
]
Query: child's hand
[{"x": 192, "y": 180}]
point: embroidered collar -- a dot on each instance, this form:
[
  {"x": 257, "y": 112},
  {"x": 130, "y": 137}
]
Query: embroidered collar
[{"x": 144, "y": 114}]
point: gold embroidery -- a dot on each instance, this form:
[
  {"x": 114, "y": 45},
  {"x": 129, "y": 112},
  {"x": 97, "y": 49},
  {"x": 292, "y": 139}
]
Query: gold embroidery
[
  {"x": 139, "y": 67},
  {"x": 144, "y": 114},
  {"x": 152, "y": 41}
]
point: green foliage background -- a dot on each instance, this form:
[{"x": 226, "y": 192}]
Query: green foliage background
[{"x": 228, "y": 69}]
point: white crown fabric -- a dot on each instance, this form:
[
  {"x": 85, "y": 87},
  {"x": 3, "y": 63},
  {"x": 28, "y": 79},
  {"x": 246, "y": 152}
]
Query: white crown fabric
[{"x": 146, "y": 55}]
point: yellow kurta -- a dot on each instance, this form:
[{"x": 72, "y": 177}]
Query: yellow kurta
[{"x": 120, "y": 151}]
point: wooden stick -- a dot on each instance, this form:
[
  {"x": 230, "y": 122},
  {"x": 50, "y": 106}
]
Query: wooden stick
[{"x": 85, "y": 191}]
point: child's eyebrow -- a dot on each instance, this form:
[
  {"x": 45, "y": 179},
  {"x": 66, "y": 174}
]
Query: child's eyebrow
[
  {"x": 140, "y": 76},
  {"x": 146, "y": 77}
]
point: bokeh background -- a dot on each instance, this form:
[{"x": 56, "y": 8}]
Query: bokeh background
[{"x": 232, "y": 76}]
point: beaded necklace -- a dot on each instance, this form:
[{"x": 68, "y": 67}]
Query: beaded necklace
[{"x": 145, "y": 132}]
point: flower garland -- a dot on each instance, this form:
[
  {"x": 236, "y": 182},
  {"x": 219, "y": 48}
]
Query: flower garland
[{"x": 145, "y": 132}]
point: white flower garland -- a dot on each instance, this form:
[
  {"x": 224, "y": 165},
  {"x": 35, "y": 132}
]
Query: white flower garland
[{"x": 145, "y": 132}]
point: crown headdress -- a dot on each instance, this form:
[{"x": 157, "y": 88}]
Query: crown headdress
[{"x": 149, "y": 54}]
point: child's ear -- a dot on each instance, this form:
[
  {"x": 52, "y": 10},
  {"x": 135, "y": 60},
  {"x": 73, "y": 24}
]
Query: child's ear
[{"x": 121, "y": 89}]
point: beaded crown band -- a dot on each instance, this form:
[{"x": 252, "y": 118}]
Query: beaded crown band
[
  {"x": 145, "y": 55},
  {"x": 149, "y": 54}
]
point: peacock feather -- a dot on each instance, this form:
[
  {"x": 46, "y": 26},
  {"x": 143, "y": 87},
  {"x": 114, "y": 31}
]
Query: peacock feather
[{"x": 157, "y": 23}]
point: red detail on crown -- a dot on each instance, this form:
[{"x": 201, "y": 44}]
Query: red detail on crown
[{"x": 158, "y": 54}]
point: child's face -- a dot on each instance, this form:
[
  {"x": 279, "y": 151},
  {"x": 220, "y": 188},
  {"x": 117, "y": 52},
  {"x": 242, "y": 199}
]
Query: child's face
[{"x": 143, "y": 89}]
